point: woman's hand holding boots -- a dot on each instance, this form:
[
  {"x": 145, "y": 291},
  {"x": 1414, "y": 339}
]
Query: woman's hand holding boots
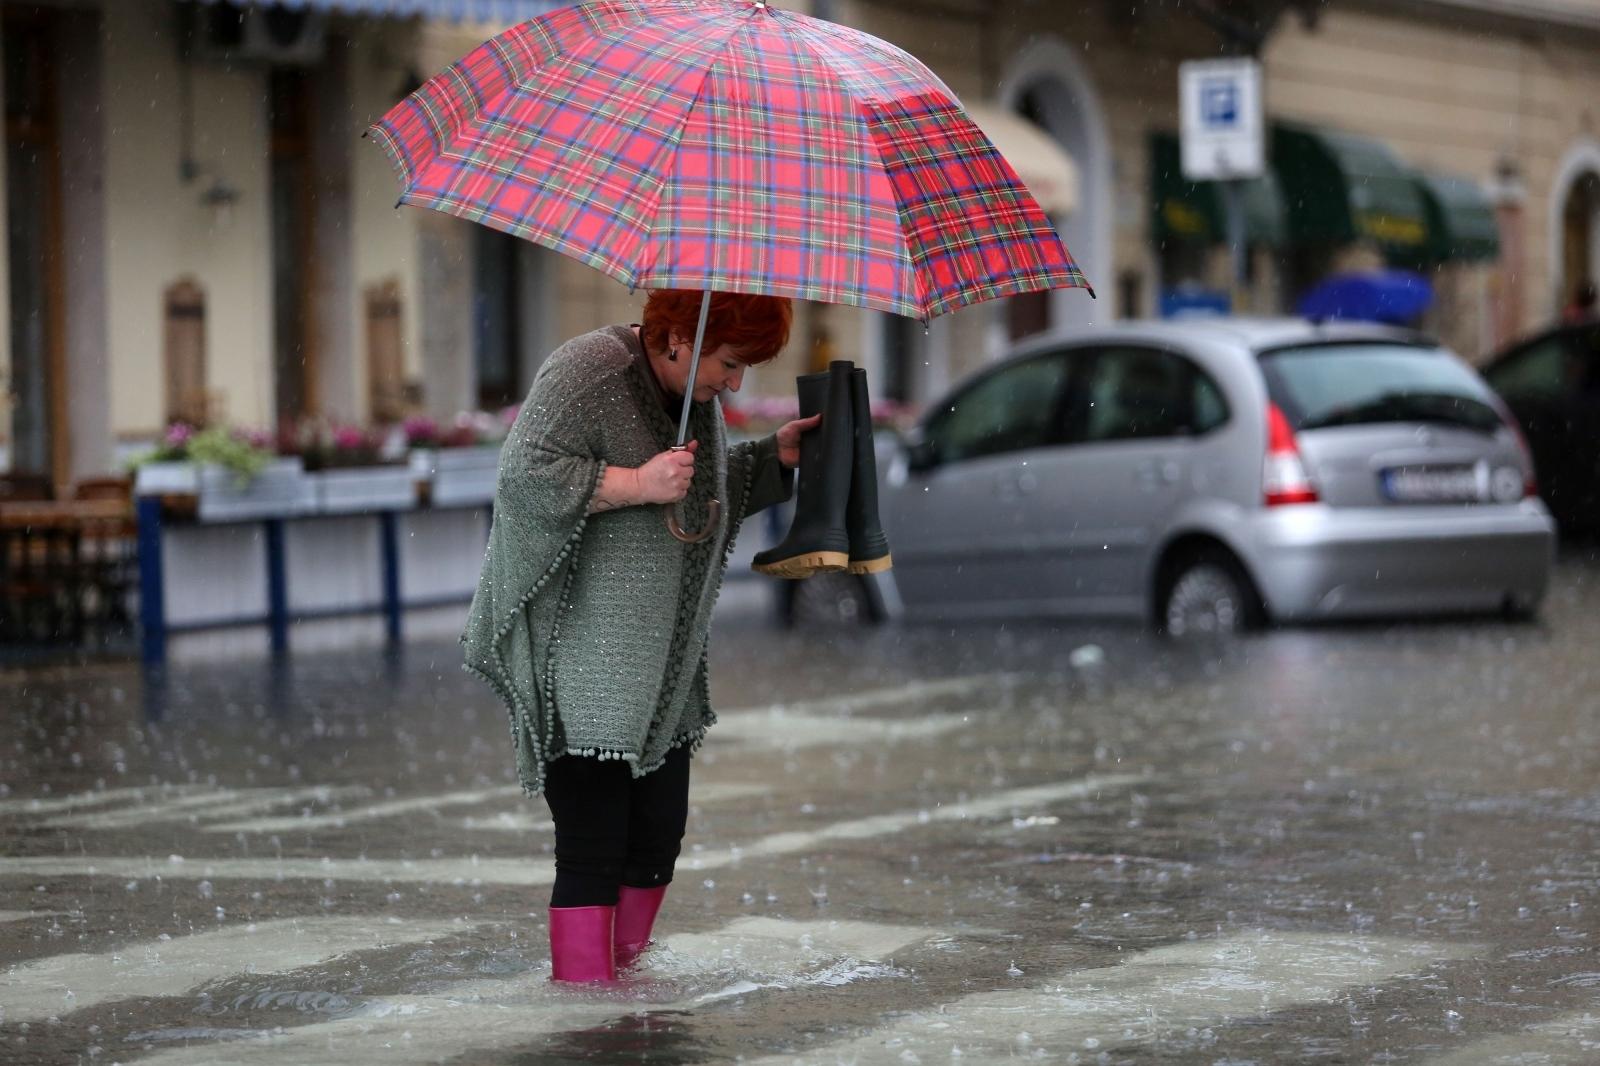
[{"x": 789, "y": 439}]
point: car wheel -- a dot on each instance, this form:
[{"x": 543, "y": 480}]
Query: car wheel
[
  {"x": 1207, "y": 596},
  {"x": 838, "y": 599},
  {"x": 1522, "y": 610}
]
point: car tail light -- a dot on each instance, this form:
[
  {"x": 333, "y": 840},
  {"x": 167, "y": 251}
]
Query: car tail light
[
  {"x": 1284, "y": 478},
  {"x": 1530, "y": 480}
]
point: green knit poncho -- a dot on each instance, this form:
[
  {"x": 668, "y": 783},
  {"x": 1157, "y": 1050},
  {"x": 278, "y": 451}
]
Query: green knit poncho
[{"x": 592, "y": 628}]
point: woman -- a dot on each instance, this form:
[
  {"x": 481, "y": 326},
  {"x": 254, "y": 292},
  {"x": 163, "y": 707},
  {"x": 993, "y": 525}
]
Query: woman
[{"x": 590, "y": 619}]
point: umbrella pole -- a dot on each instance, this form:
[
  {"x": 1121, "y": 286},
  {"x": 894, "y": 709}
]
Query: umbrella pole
[{"x": 714, "y": 509}]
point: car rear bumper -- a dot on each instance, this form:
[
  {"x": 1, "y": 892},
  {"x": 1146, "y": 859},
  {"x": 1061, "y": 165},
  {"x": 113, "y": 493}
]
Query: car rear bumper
[{"x": 1313, "y": 561}]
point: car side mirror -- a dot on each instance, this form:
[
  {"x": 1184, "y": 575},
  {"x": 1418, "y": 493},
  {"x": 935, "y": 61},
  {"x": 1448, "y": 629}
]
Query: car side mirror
[{"x": 921, "y": 455}]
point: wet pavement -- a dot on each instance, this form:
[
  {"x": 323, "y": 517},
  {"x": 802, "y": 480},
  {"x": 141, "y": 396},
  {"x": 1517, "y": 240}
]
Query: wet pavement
[{"x": 1068, "y": 844}]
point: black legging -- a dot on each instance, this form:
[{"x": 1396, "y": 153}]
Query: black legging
[{"x": 613, "y": 828}]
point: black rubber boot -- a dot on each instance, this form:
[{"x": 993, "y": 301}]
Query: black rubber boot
[
  {"x": 818, "y": 541},
  {"x": 869, "y": 548}
]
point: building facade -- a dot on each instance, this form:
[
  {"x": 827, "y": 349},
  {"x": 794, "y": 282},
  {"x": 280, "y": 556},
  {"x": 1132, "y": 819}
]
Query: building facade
[{"x": 195, "y": 229}]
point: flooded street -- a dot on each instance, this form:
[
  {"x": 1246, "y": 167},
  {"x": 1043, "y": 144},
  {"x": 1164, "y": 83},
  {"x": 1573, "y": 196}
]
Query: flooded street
[{"x": 1068, "y": 844}]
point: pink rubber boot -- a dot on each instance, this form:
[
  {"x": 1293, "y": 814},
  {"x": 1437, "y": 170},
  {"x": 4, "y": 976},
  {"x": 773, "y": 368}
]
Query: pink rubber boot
[
  {"x": 636, "y": 916},
  {"x": 580, "y": 944}
]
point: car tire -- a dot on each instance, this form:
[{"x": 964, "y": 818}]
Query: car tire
[
  {"x": 829, "y": 600},
  {"x": 1520, "y": 610},
  {"x": 1206, "y": 595}
]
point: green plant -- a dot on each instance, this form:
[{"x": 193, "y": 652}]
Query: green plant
[{"x": 230, "y": 451}]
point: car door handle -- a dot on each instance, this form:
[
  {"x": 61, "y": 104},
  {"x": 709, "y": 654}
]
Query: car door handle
[
  {"x": 1011, "y": 488},
  {"x": 1159, "y": 472}
]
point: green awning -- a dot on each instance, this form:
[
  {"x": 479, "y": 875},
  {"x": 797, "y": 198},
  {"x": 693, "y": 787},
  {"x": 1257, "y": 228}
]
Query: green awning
[
  {"x": 1461, "y": 220},
  {"x": 1339, "y": 188},
  {"x": 1196, "y": 211}
]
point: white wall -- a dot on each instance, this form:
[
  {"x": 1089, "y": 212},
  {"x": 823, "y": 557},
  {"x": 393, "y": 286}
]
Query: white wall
[
  {"x": 83, "y": 239},
  {"x": 386, "y": 239},
  {"x": 158, "y": 230}
]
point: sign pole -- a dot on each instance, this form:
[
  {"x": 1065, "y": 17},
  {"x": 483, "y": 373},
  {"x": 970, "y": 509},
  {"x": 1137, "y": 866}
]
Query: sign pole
[
  {"x": 1238, "y": 250},
  {"x": 1223, "y": 141}
]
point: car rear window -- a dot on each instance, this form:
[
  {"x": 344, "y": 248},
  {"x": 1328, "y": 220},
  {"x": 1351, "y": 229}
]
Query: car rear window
[{"x": 1324, "y": 385}]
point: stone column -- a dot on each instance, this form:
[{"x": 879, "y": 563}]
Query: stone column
[
  {"x": 83, "y": 246},
  {"x": 449, "y": 379},
  {"x": 333, "y": 135}
]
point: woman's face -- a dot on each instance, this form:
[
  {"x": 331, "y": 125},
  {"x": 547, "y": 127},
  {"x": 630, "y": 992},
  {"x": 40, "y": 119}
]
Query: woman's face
[{"x": 719, "y": 371}]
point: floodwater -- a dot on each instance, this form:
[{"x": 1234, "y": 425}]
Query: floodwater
[{"x": 972, "y": 844}]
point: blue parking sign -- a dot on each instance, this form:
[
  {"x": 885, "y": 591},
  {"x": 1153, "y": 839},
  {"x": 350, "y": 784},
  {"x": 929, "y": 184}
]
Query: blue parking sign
[
  {"x": 1219, "y": 103},
  {"x": 1219, "y": 107}
]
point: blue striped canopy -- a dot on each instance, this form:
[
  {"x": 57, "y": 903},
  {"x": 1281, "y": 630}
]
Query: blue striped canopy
[{"x": 504, "y": 11}]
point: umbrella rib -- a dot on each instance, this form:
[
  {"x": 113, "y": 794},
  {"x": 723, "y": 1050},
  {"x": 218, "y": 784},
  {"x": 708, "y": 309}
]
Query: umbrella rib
[
  {"x": 648, "y": 235},
  {"x": 823, "y": 60}
]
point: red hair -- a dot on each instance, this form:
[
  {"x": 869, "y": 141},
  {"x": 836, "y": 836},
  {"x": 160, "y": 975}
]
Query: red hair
[{"x": 756, "y": 327}]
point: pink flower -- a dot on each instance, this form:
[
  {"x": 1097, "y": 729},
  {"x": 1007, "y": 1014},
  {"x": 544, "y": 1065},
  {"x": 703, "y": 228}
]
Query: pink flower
[
  {"x": 178, "y": 435},
  {"x": 420, "y": 429},
  {"x": 349, "y": 438},
  {"x": 256, "y": 438}
]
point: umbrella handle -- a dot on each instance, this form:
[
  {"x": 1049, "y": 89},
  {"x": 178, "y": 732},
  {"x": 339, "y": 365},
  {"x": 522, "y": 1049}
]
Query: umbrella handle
[{"x": 713, "y": 515}]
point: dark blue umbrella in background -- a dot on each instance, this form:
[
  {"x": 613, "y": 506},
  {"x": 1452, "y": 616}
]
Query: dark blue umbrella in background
[{"x": 1397, "y": 297}]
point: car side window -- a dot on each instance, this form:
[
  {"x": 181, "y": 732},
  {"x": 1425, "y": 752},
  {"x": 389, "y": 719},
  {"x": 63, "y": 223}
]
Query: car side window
[
  {"x": 1011, "y": 409},
  {"x": 1210, "y": 407},
  {"x": 1538, "y": 370},
  {"x": 1142, "y": 393}
]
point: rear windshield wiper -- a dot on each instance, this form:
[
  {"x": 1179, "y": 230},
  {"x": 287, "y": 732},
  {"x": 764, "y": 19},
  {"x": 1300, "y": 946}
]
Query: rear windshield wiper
[{"x": 1410, "y": 407}]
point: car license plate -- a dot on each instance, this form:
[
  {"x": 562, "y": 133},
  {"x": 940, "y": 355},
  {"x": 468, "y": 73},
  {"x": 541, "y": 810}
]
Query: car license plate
[{"x": 1431, "y": 484}]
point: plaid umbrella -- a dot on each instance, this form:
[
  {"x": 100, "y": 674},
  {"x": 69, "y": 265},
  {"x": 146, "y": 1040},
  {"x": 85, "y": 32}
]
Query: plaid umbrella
[{"x": 726, "y": 144}]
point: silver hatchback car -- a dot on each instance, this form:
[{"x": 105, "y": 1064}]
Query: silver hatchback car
[{"x": 1210, "y": 475}]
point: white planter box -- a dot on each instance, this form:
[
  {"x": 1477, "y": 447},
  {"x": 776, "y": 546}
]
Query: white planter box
[
  {"x": 374, "y": 488},
  {"x": 464, "y": 476},
  {"x": 281, "y": 489},
  {"x": 164, "y": 479}
]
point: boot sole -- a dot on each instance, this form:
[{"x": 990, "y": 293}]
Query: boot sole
[
  {"x": 798, "y": 566},
  {"x": 870, "y": 566}
]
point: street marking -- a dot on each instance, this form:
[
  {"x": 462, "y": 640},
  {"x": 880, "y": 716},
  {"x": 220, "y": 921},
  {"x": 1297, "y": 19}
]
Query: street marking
[
  {"x": 220, "y": 802},
  {"x": 22, "y": 916},
  {"x": 787, "y": 730},
  {"x": 722, "y": 791},
  {"x": 50, "y": 987},
  {"x": 1570, "y": 1040},
  {"x": 504, "y": 821},
  {"x": 911, "y": 692},
  {"x": 772, "y": 945},
  {"x": 266, "y": 802},
  {"x": 687, "y": 970},
  {"x": 388, "y": 809},
  {"x": 533, "y": 872},
  {"x": 51, "y": 804},
  {"x": 510, "y": 822},
  {"x": 1158, "y": 994},
  {"x": 885, "y": 824},
  {"x": 469, "y": 871}
]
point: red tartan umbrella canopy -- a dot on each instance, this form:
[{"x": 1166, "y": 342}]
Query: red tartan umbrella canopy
[{"x": 729, "y": 145}]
